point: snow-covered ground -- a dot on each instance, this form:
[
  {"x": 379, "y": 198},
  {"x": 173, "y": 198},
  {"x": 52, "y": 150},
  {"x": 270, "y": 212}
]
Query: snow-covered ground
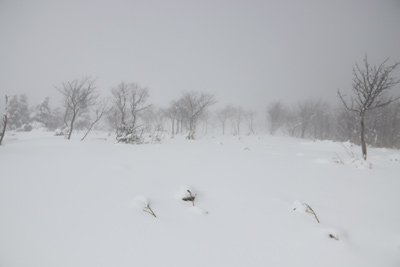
[{"x": 72, "y": 203}]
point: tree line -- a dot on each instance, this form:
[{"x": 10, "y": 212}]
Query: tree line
[{"x": 369, "y": 116}]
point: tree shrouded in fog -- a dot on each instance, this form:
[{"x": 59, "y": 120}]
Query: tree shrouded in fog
[
  {"x": 18, "y": 111},
  {"x": 78, "y": 96},
  {"x": 371, "y": 86},
  {"x": 129, "y": 102},
  {"x": 194, "y": 104},
  {"x": 276, "y": 114}
]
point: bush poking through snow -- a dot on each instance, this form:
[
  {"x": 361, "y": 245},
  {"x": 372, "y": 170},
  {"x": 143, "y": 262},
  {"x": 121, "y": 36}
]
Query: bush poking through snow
[
  {"x": 149, "y": 210},
  {"x": 131, "y": 135},
  {"x": 61, "y": 132},
  {"x": 336, "y": 237},
  {"x": 157, "y": 137},
  {"x": 337, "y": 159},
  {"x": 304, "y": 207},
  {"x": 189, "y": 197},
  {"x": 359, "y": 164},
  {"x": 144, "y": 204}
]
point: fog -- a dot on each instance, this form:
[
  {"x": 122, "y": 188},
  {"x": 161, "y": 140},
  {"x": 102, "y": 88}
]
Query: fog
[{"x": 245, "y": 52}]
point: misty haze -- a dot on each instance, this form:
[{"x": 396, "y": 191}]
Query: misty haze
[{"x": 199, "y": 133}]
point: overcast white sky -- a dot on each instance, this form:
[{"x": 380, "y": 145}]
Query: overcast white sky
[{"x": 245, "y": 52}]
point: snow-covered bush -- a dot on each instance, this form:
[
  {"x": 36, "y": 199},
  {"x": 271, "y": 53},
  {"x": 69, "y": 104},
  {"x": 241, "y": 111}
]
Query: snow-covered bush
[
  {"x": 157, "y": 137},
  {"x": 131, "y": 135},
  {"x": 35, "y": 125},
  {"x": 61, "y": 132}
]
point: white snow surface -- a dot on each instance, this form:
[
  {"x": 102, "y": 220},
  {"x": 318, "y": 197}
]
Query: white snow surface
[{"x": 70, "y": 203}]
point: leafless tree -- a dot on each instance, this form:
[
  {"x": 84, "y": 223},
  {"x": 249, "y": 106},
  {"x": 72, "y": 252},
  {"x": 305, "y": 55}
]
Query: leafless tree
[
  {"x": 222, "y": 116},
  {"x": 78, "y": 96},
  {"x": 99, "y": 111},
  {"x": 137, "y": 101},
  {"x": 236, "y": 118},
  {"x": 276, "y": 113},
  {"x": 129, "y": 101},
  {"x": 345, "y": 125},
  {"x": 173, "y": 114},
  {"x": 120, "y": 97},
  {"x": 249, "y": 118},
  {"x": 194, "y": 104},
  {"x": 321, "y": 122},
  {"x": 307, "y": 111},
  {"x": 4, "y": 121},
  {"x": 370, "y": 87}
]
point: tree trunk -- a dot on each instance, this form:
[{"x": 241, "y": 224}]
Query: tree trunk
[
  {"x": 363, "y": 145},
  {"x": 134, "y": 121},
  {"x": 4, "y": 122},
  {"x": 4, "y": 128},
  {"x": 72, "y": 126},
  {"x": 90, "y": 128}
]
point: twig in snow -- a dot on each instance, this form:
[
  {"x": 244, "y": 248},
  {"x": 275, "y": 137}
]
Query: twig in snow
[
  {"x": 149, "y": 210},
  {"x": 310, "y": 210}
]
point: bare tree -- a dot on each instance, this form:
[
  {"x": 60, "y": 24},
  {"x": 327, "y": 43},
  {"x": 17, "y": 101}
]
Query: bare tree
[
  {"x": 320, "y": 125},
  {"x": 371, "y": 86},
  {"x": 236, "y": 118},
  {"x": 78, "y": 96},
  {"x": 194, "y": 104},
  {"x": 276, "y": 114},
  {"x": 307, "y": 111},
  {"x": 120, "y": 101},
  {"x": 4, "y": 121},
  {"x": 137, "y": 100},
  {"x": 129, "y": 101},
  {"x": 345, "y": 125},
  {"x": 98, "y": 112},
  {"x": 292, "y": 121},
  {"x": 222, "y": 116},
  {"x": 249, "y": 117},
  {"x": 173, "y": 114}
]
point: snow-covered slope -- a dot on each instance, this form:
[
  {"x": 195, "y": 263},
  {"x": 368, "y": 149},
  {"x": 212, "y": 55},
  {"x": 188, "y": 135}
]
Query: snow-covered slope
[{"x": 72, "y": 203}]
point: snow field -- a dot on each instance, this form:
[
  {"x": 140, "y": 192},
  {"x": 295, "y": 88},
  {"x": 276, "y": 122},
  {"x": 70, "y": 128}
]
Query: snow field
[{"x": 72, "y": 203}]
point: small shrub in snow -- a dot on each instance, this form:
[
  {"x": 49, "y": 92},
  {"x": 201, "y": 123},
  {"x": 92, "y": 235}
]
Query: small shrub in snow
[
  {"x": 24, "y": 128},
  {"x": 157, "y": 137},
  {"x": 359, "y": 164},
  {"x": 131, "y": 135},
  {"x": 304, "y": 207},
  {"x": 144, "y": 204},
  {"x": 189, "y": 197},
  {"x": 35, "y": 125},
  {"x": 61, "y": 132},
  {"x": 188, "y": 194}
]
